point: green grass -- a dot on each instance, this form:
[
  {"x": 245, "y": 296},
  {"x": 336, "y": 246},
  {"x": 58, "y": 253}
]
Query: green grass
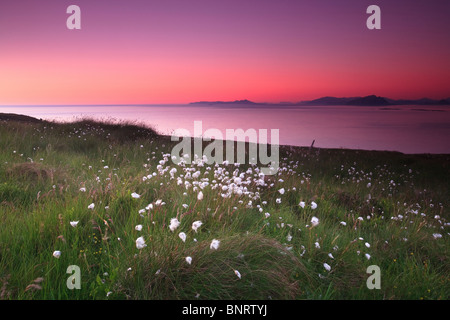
[{"x": 400, "y": 220}]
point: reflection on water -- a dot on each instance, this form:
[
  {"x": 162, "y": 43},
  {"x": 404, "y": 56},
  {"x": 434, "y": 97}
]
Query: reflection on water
[{"x": 408, "y": 129}]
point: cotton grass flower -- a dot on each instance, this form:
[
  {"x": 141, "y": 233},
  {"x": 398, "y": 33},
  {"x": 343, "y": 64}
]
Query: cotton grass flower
[
  {"x": 200, "y": 196},
  {"x": 74, "y": 223},
  {"x": 134, "y": 195},
  {"x": 91, "y": 206},
  {"x": 313, "y": 205},
  {"x": 196, "y": 225},
  {"x": 182, "y": 236},
  {"x": 302, "y": 204},
  {"x": 82, "y": 189},
  {"x": 189, "y": 260},
  {"x": 214, "y": 244},
  {"x": 138, "y": 227},
  {"x": 314, "y": 221},
  {"x": 57, "y": 254},
  {"x": 281, "y": 191},
  {"x": 237, "y": 273},
  {"x": 140, "y": 243},
  {"x": 174, "y": 223},
  {"x": 327, "y": 266}
]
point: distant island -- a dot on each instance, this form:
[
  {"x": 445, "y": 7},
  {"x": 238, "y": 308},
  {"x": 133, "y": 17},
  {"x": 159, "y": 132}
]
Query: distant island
[
  {"x": 227, "y": 102},
  {"x": 371, "y": 100}
]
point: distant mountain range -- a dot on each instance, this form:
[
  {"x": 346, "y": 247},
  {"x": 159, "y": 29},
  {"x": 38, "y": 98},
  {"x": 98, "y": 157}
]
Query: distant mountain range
[{"x": 371, "y": 100}]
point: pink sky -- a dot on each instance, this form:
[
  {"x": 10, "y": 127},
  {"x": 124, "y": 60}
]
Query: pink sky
[{"x": 138, "y": 52}]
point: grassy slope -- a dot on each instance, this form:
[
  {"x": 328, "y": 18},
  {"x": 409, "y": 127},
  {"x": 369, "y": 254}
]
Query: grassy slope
[{"x": 395, "y": 219}]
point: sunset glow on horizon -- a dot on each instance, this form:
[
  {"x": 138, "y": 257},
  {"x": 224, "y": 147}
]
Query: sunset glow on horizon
[{"x": 156, "y": 52}]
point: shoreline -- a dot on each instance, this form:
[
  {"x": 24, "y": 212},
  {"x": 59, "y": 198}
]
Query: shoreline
[{"x": 13, "y": 117}]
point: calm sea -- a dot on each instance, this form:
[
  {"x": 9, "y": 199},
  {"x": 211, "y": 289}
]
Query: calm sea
[{"x": 408, "y": 129}]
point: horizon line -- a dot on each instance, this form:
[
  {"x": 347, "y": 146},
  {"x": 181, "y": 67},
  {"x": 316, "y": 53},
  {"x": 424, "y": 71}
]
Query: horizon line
[{"x": 202, "y": 101}]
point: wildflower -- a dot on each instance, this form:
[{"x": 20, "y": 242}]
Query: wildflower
[
  {"x": 134, "y": 195},
  {"x": 57, "y": 254},
  {"x": 367, "y": 245},
  {"x": 314, "y": 221},
  {"x": 327, "y": 266},
  {"x": 174, "y": 223},
  {"x": 189, "y": 260},
  {"x": 313, "y": 205},
  {"x": 278, "y": 200},
  {"x": 140, "y": 243},
  {"x": 138, "y": 227},
  {"x": 330, "y": 255},
  {"x": 343, "y": 223},
  {"x": 267, "y": 214},
  {"x": 215, "y": 244},
  {"x": 237, "y": 273},
  {"x": 200, "y": 196},
  {"x": 302, "y": 204},
  {"x": 182, "y": 236},
  {"x": 317, "y": 245},
  {"x": 83, "y": 189},
  {"x": 196, "y": 225},
  {"x": 73, "y": 223},
  {"x": 281, "y": 191},
  {"x": 289, "y": 237},
  {"x": 367, "y": 256},
  {"x": 437, "y": 235},
  {"x": 91, "y": 206}
]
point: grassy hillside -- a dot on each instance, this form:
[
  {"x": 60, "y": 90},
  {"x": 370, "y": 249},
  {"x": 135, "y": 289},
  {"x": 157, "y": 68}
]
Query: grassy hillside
[{"x": 119, "y": 183}]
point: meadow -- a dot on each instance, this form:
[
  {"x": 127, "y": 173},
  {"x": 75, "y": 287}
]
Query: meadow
[{"x": 107, "y": 198}]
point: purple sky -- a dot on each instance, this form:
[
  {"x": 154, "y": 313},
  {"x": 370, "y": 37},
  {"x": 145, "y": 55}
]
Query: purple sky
[{"x": 169, "y": 51}]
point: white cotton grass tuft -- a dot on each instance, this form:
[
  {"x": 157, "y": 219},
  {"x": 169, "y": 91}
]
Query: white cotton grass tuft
[
  {"x": 174, "y": 223},
  {"x": 74, "y": 223},
  {"x": 196, "y": 225},
  {"x": 57, "y": 254},
  {"x": 313, "y": 205},
  {"x": 140, "y": 243},
  {"x": 237, "y": 273},
  {"x": 182, "y": 236},
  {"x": 82, "y": 189},
  {"x": 327, "y": 266},
  {"x": 302, "y": 204},
  {"x": 200, "y": 196},
  {"x": 314, "y": 221},
  {"x": 215, "y": 244},
  {"x": 281, "y": 191},
  {"x": 189, "y": 260},
  {"x": 134, "y": 195},
  {"x": 138, "y": 227},
  {"x": 91, "y": 206}
]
